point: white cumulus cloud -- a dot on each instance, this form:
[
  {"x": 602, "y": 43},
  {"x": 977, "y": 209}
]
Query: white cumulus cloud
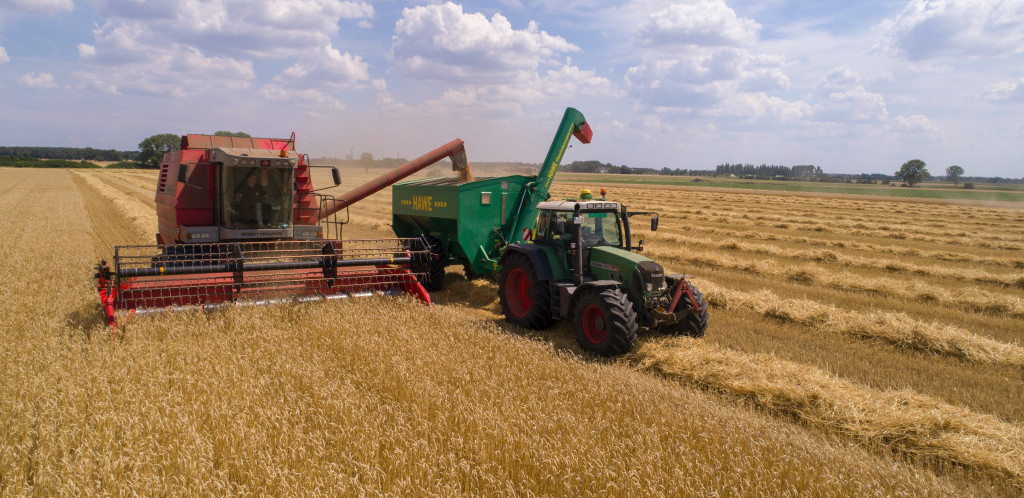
[
  {"x": 1005, "y": 90},
  {"x": 856, "y": 104},
  {"x": 927, "y": 29},
  {"x": 702, "y": 58},
  {"x": 916, "y": 124},
  {"x": 175, "y": 70},
  {"x": 37, "y": 80},
  {"x": 46, "y": 7},
  {"x": 3, "y": 55},
  {"x": 705, "y": 23},
  {"x": 842, "y": 77},
  {"x": 442, "y": 42},
  {"x": 237, "y": 27},
  {"x": 703, "y": 77},
  {"x": 316, "y": 76},
  {"x": 185, "y": 48}
]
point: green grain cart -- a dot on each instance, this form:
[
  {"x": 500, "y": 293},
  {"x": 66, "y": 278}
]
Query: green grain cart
[{"x": 561, "y": 259}]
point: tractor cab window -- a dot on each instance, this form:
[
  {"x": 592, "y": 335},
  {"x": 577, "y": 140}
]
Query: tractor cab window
[
  {"x": 560, "y": 227},
  {"x": 601, "y": 229},
  {"x": 541, "y": 234},
  {"x": 258, "y": 197}
]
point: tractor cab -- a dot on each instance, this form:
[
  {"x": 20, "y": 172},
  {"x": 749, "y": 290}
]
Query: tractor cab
[{"x": 602, "y": 224}]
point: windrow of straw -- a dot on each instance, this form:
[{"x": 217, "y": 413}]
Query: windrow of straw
[
  {"x": 954, "y": 257},
  {"x": 975, "y": 300},
  {"x": 844, "y": 221},
  {"x": 821, "y": 225},
  {"x": 1007, "y": 279},
  {"x": 891, "y": 215},
  {"x": 903, "y": 421},
  {"x": 897, "y": 329}
]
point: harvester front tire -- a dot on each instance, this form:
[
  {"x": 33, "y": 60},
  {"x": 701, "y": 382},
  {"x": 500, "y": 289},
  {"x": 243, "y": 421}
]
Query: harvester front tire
[
  {"x": 693, "y": 325},
  {"x": 605, "y": 321},
  {"x": 525, "y": 300}
]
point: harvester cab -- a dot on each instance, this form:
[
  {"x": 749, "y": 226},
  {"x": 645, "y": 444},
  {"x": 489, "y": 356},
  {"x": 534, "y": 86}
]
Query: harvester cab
[{"x": 239, "y": 220}]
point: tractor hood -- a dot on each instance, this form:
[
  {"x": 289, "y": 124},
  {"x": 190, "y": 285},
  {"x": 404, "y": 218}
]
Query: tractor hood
[{"x": 638, "y": 273}]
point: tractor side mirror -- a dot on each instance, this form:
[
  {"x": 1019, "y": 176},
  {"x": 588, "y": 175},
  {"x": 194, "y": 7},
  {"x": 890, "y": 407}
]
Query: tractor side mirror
[
  {"x": 654, "y": 224},
  {"x": 337, "y": 176},
  {"x": 182, "y": 171},
  {"x": 640, "y": 245},
  {"x": 558, "y": 227}
]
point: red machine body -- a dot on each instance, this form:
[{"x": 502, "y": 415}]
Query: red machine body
[{"x": 239, "y": 220}]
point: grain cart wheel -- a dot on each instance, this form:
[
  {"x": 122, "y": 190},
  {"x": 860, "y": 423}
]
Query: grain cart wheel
[
  {"x": 434, "y": 279},
  {"x": 525, "y": 300},
  {"x": 605, "y": 321},
  {"x": 692, "y": 325}
]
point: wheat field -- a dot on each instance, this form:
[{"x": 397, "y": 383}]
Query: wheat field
[{"x": 857, "y": 347}]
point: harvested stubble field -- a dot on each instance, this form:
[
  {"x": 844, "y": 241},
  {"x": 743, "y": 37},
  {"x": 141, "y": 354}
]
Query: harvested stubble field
[{"x": 856, "y": 347}]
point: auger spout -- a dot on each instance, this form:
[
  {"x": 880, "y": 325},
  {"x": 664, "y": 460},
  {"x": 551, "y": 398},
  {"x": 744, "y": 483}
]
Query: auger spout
[{"x": 455, "y": 149}]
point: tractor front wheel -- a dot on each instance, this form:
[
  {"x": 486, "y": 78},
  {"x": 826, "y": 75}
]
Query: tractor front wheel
[
  {"x": 525, "y": 300},
  {"x": 605, "y": 321}
]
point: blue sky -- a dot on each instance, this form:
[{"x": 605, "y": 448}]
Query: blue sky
[{"x": 849, "y": 86}]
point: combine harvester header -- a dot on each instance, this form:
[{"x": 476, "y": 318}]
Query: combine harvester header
[{"x": 240, "y": 221}]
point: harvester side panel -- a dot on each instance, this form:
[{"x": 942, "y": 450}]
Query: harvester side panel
[{"x": 184, "y": 204}]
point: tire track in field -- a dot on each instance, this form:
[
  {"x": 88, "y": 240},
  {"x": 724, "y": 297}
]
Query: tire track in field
[
  {"x": 144, "y": 195},
  {"x": 109, "y": 228}
]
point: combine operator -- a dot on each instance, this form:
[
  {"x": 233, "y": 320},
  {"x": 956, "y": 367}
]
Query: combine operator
[{"x": 250, "y": 200}]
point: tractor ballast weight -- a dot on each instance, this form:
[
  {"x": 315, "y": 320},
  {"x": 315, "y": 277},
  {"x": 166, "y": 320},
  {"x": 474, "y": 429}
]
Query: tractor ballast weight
[{"x": 240, "y": 221}]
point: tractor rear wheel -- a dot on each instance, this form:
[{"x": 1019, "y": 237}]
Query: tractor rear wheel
[
  {"x": 605, "y": 321},
  {"x": 525, "y": 300},
  {"x": 695, "y": 324}
]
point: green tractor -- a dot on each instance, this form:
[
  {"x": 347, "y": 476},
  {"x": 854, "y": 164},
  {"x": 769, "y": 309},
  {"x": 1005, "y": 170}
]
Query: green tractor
[{"x": 581, "y": 264}]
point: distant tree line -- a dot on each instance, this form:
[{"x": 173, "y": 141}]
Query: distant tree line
[
  {"x": 72, "y": 153},
  {"x": 31, "y": 162},
  {"x": 768, "y": 171},
  {"x": 599, "y": 167}
]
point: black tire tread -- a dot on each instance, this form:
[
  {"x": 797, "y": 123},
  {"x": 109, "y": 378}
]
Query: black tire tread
[
  {"x": 539, "y": 316},
  {"x": 620, "y": 316}
]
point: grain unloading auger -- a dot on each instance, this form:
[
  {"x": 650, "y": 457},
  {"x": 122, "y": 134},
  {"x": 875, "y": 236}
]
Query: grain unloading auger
[{"x": 240, "y": 222}]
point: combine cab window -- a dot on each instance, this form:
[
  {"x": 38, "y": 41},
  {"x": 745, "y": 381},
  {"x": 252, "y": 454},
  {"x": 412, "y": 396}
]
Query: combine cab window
[
  {"x": 259, "y": 197},
  {"x": 601, "y": 229}
]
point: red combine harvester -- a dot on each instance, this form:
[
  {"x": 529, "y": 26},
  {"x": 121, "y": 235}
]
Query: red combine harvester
[{"x": 239, "y": 221}]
